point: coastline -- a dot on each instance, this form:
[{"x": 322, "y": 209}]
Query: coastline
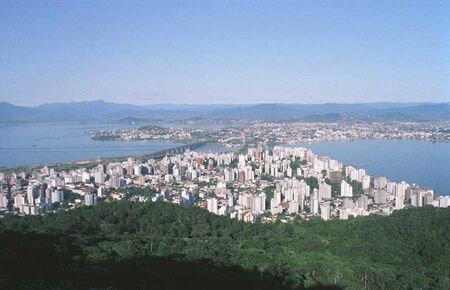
[{"x": 90, "y": 163}]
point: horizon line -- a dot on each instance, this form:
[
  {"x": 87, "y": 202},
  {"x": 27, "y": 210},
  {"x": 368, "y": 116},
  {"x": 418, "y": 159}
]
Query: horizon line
[{"x": 226, "y": 104}]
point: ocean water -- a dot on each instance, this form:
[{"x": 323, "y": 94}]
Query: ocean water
[
  {"x": 421, "y": 162},
  {"x": 42, "y": 143}
]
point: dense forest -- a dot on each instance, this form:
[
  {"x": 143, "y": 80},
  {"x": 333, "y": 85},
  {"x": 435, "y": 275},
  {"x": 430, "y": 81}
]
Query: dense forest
[{"x": 128, "y": 245}]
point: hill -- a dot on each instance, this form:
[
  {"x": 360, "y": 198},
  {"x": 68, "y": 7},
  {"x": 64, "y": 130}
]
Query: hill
[
  {"x": 106, "y": 111},
  {"x": 126, "y": 245}
]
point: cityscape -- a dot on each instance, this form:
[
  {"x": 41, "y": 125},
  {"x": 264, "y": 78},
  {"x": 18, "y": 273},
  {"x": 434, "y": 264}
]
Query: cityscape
[
  {"x": 253, "y": 184},
  {"x": 187, "y": 144},
  {"x": 252, "y": 132}
]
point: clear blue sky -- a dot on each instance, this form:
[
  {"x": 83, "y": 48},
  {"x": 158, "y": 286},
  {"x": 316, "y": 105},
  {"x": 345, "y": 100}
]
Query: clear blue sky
[{"x": 147, "y": 52}]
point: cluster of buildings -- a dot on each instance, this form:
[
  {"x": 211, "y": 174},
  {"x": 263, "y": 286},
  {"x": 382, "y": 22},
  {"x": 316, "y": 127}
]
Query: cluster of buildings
[
  {"x": 260, "y": 184},
  {"x": 287, "y": 132},
  {"x": 144, "y": 133}
]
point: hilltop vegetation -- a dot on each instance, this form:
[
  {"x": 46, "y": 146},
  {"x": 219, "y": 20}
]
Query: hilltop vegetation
[{"x": 163, "y": 246}]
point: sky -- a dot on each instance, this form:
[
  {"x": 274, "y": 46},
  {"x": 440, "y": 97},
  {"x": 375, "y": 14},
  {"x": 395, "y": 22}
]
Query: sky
[{"x": 147, "y": 52}]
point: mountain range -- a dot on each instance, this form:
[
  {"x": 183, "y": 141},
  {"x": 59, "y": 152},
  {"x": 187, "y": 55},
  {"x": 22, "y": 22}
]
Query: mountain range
[{"x": 108, "y": 111}]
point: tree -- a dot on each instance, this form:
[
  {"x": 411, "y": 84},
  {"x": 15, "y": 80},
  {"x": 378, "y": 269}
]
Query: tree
[{"x": 408, "y": 249}]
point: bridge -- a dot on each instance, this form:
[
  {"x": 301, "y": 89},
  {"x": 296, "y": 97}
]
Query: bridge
[
  {"x": 155, "y": 155},
  {"x": 175, "y": 150}
]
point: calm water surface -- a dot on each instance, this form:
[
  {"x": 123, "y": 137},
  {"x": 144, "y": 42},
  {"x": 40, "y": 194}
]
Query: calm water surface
[
  {"x": 413, "y": 161},
  {"x": 422, "y": 162},
  {"x": 43, "y": 143}
]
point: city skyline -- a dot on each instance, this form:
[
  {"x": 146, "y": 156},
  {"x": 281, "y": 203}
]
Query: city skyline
[
  {"x": 227, "y": 52},
  {"x": 225, "y": 144}
]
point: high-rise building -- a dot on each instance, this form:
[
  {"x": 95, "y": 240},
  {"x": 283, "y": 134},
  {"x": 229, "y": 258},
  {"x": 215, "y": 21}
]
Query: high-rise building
[
  {"x": 241, "y": 176},
  {"x": 314, "y": 205},
  {"x": 417, "y": 198},
  {"x": 346, "y": 189},
  {"x": 352, "y": 173},
  {"x": 399, "y": 201},
  {"x": 400, "y": 188},
  {"x": 100, "y": 191},
  {"x": 343, "y": 214},
  {"x": 380, "y": 183},
  {"x": 348, "y": 203},
  {"x": 57, "y": 196},
  {"x": 263, "y": 201},
  {"x": 212, "y": 205},
  {"x": 273, "y": 203},
  {"x": 366, "y": 182},
  {"x": 391, "y": 187},
  {"x": 324, "y": 190},
  {"x": 32, "y": 193},
  {"x": 428, "y": 198},
  {"x": 444, "y": 201},
  {"x": 259, "y": 202},
  {"x": 380, "y": 196},
  {"x": 228, "y": 174},
  {"x": 293, "y": 207},
  {"x": 230, "y": 200},
  {"x": 363, "y": 202},
  {"x": 3, "y": 201},
  {"x": 19, "y": 200},
  {"x": 361, "y": 174},
  {"x": 90, "y": 199},
  {"x": 325, "y": 211}
]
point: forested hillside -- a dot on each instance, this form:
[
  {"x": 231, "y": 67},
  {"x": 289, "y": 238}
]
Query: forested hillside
[{"x": 126, "y": 245}]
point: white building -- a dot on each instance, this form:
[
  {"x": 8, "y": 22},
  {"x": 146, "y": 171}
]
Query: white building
[
  {"x": 366, "y": 182},
  {"x": 212, "y": 205},
  {"x": 314, "y": 205},
  {"x": 324, "y": 190},
  {"x": 325, "y": 211},
  {"x": 346, "y": 189},
  {"x": 293, "y": 207},
  {"x": 90, "y": 199},
  {"x": 57, "y": 196}
]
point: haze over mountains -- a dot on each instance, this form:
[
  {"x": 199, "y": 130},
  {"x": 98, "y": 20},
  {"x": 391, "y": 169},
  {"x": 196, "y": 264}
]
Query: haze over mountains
[{"x": 107, "y": 111}]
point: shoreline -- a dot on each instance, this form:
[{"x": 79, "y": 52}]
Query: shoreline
[
  {"x": 90, "y": 163},
  {"x": 93, "y": 161},
  {"x": 235, "y": 148}
]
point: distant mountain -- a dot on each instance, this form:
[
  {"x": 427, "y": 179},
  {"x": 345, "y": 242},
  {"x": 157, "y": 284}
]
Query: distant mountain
[
  {"x": 10, "y": 112},
  {"x": 88, "y": 108},
  {"x": 107, "y": 111},
  {"x": 330, "y": 112},
  {"x": 426, "y": 111},
  {"x": 73, "y": 111},
  {"x": 259, "y": 111}
]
